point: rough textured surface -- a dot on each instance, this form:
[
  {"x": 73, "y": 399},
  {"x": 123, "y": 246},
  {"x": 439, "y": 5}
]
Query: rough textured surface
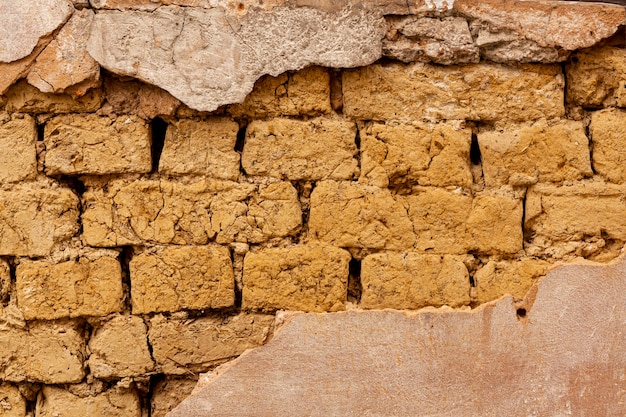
[
  {"x": 12, "y": 404},
  {"x": 168, "y": 393},
  {"x": 161, "y": 47},
  {"x": 538, "y": 152},
  {"x": 48, "y": 352},
  {"x": 65, "y": 61},
  {"x": 116, "y": 402},
  {"x": 23, "y": 97},
  {"x": 597, "y": 78},
  {"x": 119, "y": 348},
  {"x": 33, "y": 218},
  {"x": 565, "y": 356},
  {"x": 179, "y": 278},
  {"x": 607, "y": 129},
  {"x": 97, "y": 145},
  {"x": 411, "y": 154},
  {"x": 5, "y": 279},
  {"x": 18, "y": 159},
  {"x": 498, "y": 278},
  {"x": 305, "y": 92},
  {"x": 201, "y": 147},
  {"x": 83, "y": 287},
  {"x": 134, "y": 97},
  {"x": 196, "y": 213},
  {"x": 440, "y": 40},
  {"x": 22, "y": 24},
  {"x": 411, "y": 281},
  {"x": 13, "y": 71},
  {"x": 316, "y": 149},
  {"x": 478, "y": 92},
  {"x": 181, "y": 346},
  {"x": 305, "y": 278}
]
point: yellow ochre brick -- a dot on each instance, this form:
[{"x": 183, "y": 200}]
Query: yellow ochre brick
[{"x": 18, "y": 159}]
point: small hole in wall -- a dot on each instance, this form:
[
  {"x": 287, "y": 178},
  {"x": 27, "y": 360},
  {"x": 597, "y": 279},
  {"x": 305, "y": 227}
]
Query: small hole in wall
[
  {"x": 475, "y": 155},
  {"x": 241, "y": 138},
  {"x": 354, "y": 281},
  {"x": 575, "y": 60},
  {"x": 158, "y": 129},
  {"x": 521, "y": 312},
  {"x": 41, "y": 127}
]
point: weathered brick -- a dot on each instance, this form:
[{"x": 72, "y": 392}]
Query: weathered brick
[
  {"x": 33, "y": 219},
  {"x": 306, "y": 92},
  {"x": 411, "y": 280},
  {"x": 477, "y": 92},
  {"x": 543, "y": 151},
  {"x": 180, "y": 346},
  {"x": 119, "y": 348},
  {"x": 418, "y": 153},
  {"x": 201, "y": 147},
  {"x": 574, "y": 212},
  {"x": 23, "y": 97},
  {"x": 188, "y": 277},
  {"x": 608, "y": 129},
  {"x": 498, "y": 278},
  {"x": 47, "y": 352},
  {"x": 18, "y": 159},
  {"x": 315, "y": 149},
  {"x": 350, "y": 215},
  {"x": 432, "y": 219},
  {"x": 449, "y": 221},
  {"x": 12, "y": 404},
  {"x": 82, "y": 287},
  {"x": 159, "y": 211},
  {"x": 134, "y": 97},
  {"x": 89, "y": 144},
  {"x": 305, "y": 278},
  {"x": 597, "y": 77},
  {"x": 168, "y": 393},
  {"x": 116, "y": 402},
  {"x": 5, "y": 279}
]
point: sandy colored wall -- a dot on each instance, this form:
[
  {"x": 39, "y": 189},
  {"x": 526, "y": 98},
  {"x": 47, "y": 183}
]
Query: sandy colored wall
[{"x": 163, "y": 194}]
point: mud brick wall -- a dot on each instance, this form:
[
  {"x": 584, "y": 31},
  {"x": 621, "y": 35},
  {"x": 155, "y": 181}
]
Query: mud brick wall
[{"x": 144, "y": 241}]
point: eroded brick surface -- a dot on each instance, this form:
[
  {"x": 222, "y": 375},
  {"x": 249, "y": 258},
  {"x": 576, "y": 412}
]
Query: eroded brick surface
[
  {"x": 178, "y": 278},
  {"x": 168, "y": 393},
  {"x": 116, "y": 402},
  {"x": 498, "y": 278},
  {"x": 12, "y": 403},
  {"x": 18, "y": 159},
  {"x": 306, "y": 278},
  {"x": 23, "y": 97},
  {"x": 608, "y": 129}
]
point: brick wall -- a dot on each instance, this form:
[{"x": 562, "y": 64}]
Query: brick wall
[{"x": 143, "y": 242}]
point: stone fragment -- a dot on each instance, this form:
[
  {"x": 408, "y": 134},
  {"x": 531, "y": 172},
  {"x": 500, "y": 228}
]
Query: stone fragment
[
  {"x": 18, "y": 159},
  {"x": 440, "y": 40},
  {"x": 304, "y": 278},
  {"x": 551, "y": 24},
  {"x": 170, "y": 279},
  {"x": 12, "y": 71},
  {"x": 12, "y": 404},
  {"x": 119, "y": 348},
  {"x": 411, "y": 280},
  {"x": 89, "y": 144},
  {"x": 575, "y": 212},
  {"x": 46, "y": 352},
  {"x": 116, "y": 402},
  {"x": 162, "y": 212},
  {"x": 396, "y": 91},
  {"x": 301, "y": 93},
  {"x": 415, "y": 154},
  {"x": 499, "y": 278},
  {"x": 23, "y": 24},
  {"x": 506, "y": 46},
  {"x": 25, "y": 98},
  {"x": 311, "y": 150},
  {"x": 168, "y": 393},
  {"x": 82, "y": 287},
  {"x": 565, "y": 356},
  {"x": 201, "y": 147},
  {"x": 134, "y": 97},
  {"x": 607, "y": 129},
  {"x": 543, "y": 151},
  {"x": 181, "y": 346},
  {"x": 447, "y": 221},
  {"x": 65, "y": 62},
  {"x": 161, "y": 47},
  {"x": 350, "y": 215},
  {"x": 33, "y": 218},
  {"x": 597, "y": 77}
]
